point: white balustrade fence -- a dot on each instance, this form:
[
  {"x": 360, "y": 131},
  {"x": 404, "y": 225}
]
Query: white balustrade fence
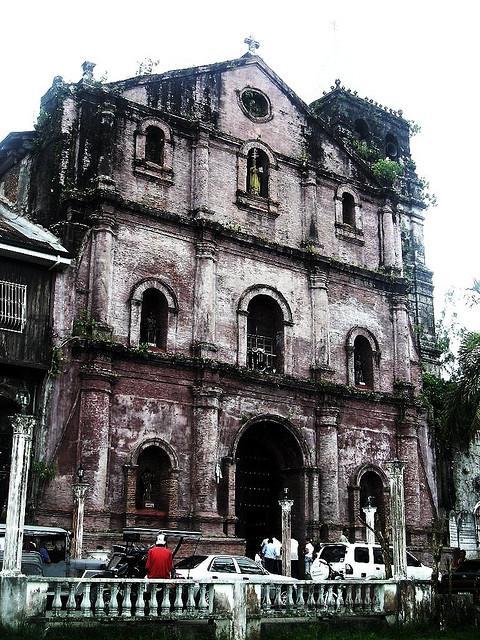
[{"x": 234, "y": 607}]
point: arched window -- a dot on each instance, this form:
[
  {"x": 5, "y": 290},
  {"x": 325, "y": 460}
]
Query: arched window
[
  {"x": 372, "y": 495},
  {"x": 264, "y": 335},
  {"x": 391, "y": 146},
  {"x": 154, "y": 145},
  {"x": 361, "y": 129},
  {"x": 154, "y": 319},
  {"x": 348, "y": 209},
  {"x": 257, "y": 173},
  {"x": 154, "y": 479},
  {"x": 363, "y": 363}
]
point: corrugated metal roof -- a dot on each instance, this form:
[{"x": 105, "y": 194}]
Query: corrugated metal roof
[{"x": 17, "y": 230}]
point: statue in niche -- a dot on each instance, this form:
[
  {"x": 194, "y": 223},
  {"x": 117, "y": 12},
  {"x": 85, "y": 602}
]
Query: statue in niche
[
  {"x": 255, "y": 176},
  {"x": 151, "y": 328},
  {"x": 147, "y": 478},
  {"x": 359, "y": 376}
]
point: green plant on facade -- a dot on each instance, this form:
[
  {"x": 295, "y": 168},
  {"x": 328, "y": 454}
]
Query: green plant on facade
[
  {"x": 57, "y": 361},
  {"x": 44, "y": 471},
  {"x": 369, "y": 153},
  {"x": 387, "y": 170},
  {"x": 85, "y": 326},
  {"x": 142, "y": 348}
]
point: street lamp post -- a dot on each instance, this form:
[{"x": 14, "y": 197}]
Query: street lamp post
[
  {"x": 286, "y": 506},
  {"x": 79, "y": 492}
]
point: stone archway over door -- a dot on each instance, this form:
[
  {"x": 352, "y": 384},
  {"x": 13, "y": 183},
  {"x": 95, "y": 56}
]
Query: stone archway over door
[{"x": 268, "y": 459}]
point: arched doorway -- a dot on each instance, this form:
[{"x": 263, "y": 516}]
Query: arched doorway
[
  {"x": 153, "y": 486},
  {"x": 268, "y": 459}
]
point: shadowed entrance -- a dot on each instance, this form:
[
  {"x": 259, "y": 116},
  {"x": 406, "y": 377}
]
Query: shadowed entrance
[{"x": 268, "y": 459}]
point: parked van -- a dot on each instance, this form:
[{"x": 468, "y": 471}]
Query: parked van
[{"x": 360, "y": 560}]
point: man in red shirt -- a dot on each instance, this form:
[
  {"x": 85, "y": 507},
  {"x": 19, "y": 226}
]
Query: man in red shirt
[{"x": 159, "y": 559}]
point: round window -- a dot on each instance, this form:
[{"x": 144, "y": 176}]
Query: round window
[{"x": 256, "y": 104}]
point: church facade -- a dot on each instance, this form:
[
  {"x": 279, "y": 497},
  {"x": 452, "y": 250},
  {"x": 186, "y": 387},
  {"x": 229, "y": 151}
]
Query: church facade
[{"x": 248, "y": 308}]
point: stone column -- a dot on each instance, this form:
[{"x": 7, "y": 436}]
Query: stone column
[
  {"x": 17, "y": 493},
  {"x": 320, "y": 321},
  {"x": 397, "y": 229},
  {"x": 370, "y": 522},
  {"x": 386, "y": 217},
  {"x": 395, "y": 470},
  {"x": 204, "y": 300},
  {"x": 309, "y": 184},
  {"x": 94, "y": 430},
  {"x": 286, "y": 507},
  {"x": 327, "y": 461},
  {"x": 204, "y": 454},
  {"x": 102, "y": 265},
  {"x": 201, "y": 172},
  {"x": 79, "y": 492},
  {"x": 401, "y": 339}
]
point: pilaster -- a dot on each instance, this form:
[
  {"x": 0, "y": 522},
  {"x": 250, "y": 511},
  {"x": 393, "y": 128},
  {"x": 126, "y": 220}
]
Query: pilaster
[
  {"x": 204, "y": 308},
  {"x": 104, "y": 228},
  {"x": 327, "y": 462},
  {"x": 205, "y": 457},
  {"x": 318, "y": 280}
]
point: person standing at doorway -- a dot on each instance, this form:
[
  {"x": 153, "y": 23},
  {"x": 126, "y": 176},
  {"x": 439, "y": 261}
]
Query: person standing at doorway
[
  {"x": 294, "y": 557},
  {"x": 308, "y": 557},
  {"x": 159, "y": 560},
  {"x": 269, "y": 553}
]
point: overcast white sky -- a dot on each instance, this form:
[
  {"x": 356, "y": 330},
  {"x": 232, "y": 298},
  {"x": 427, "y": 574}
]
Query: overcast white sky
[{"x": 421, "y": 56}]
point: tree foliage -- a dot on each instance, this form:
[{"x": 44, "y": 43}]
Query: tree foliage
[{"x": 461, "y": 415}]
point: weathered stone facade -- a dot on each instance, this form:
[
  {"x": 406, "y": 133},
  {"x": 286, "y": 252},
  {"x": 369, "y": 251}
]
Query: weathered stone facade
[{"x": 242, "y": 316}]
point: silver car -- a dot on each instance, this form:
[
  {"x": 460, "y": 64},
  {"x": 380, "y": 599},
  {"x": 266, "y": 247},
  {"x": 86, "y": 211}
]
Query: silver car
[{"x": 226, "y": 568}]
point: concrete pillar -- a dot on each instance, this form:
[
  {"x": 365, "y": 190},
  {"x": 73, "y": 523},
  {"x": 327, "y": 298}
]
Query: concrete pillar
[
  {"x": 286, "y": 507},
  {"x": 205, "y": 454},
  {"x": 94, "y": 430},
  {"x": 386, "y": 217},
  {"x": 204, "y": 300},
  {"x": 370, "y": 522},
  {"x": 17, "y": 493},
  {"x": 327, "y": 462},
  {"x": 401, "y": 339},
  {"x": 79, "y": 491},
  {"x": 395, "y": 470},
  {"x": 320, "y": 320},
  {"x": 201, "y": 172},
  {"x": 102, "y": 266},
  {"x": 309, "y": 185}
]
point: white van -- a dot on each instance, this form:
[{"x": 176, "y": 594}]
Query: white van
[{"x": 360, "y": 560}]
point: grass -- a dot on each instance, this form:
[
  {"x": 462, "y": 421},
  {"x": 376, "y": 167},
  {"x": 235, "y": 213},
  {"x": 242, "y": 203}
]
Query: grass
[{"x": 164, "y": 631}]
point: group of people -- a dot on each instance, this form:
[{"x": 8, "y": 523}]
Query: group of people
[{"x": 271, "y": 556}]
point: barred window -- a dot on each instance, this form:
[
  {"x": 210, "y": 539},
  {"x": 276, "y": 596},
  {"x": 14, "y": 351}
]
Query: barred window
[{"x": 13, "y": 300}]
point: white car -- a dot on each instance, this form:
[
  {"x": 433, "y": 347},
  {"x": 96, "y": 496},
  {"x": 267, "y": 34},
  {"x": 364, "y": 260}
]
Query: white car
[
  {"x": 226, "y": 568},
  {"x": 360, "y": 560}
]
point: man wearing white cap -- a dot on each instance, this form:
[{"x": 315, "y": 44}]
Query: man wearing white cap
[{"x": 159, "y": 559}]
